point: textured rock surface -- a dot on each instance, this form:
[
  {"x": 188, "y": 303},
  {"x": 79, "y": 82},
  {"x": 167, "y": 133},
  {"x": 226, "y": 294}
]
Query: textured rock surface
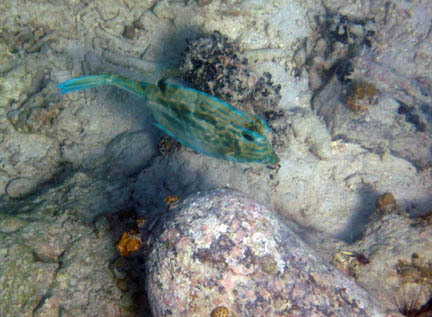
[
  {"x": 221, "y": 248},
  {"x": 65, "y": 159},
  {"x": 55, "y": 261},
  {"x": 399, "y": 250},
  {"x": 389, "y": 46}
]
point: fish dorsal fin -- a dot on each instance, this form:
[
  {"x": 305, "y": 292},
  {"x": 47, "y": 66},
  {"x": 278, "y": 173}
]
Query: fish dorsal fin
[
  {"x": 168, "y": 73},
  {"x": 162, "y": 84}
]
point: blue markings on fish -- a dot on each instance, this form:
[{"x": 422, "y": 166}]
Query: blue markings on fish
[{"x": 196, "y": 119}]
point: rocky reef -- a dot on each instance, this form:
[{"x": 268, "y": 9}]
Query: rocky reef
[{"x": 98, "y": 208}]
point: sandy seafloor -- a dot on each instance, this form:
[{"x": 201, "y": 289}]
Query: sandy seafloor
[{"x": 353, "y": 123}]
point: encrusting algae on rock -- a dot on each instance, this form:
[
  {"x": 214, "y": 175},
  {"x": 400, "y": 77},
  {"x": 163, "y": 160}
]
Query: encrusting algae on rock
[
  {"x": 171, "y": 201},
  {"x": 129, "y": 243},
  {"x": 361, "y": 94},
  {"x": 220, "y": 311},
  {"x": 349, "y": 262}
]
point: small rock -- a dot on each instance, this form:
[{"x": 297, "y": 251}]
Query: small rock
[
  {"x": 386, "y": 201},
  {"x": 308, "y": 128},
  {"x": 20, "y": 187},
  {"x": 9, "y": 224},
  {"x": 129, "y": 152}
]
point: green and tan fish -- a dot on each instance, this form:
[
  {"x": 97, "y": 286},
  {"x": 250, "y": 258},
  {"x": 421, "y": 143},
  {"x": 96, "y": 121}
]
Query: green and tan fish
[{"x": 198, "y": 120}]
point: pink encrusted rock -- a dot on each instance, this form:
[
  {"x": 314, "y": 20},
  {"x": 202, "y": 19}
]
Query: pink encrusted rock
[{"x": 221, "y": 248}]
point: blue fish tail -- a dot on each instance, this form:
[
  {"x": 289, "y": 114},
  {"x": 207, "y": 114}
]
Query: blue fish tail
[{"x": 84, "y": 83}]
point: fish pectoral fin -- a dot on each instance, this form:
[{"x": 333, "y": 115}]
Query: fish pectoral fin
[
  {"x": 168, "y": 73},
  {"x": 230, "y": 156}
]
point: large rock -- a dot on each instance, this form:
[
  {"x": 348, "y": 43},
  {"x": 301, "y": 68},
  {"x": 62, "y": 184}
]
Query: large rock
[{"x": 221, "y": 248}]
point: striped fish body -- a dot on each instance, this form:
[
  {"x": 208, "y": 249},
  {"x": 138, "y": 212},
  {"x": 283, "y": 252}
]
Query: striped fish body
[{"x": 198, "y": 120}]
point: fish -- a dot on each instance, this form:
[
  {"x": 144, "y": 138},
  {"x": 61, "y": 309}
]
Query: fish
[{"x": 197, "y": 120}]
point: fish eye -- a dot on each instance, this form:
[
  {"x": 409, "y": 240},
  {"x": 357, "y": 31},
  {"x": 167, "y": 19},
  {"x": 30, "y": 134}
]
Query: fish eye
[{"x": 248, "y": 137}]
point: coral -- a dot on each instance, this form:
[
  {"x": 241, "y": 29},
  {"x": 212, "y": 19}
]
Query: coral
[
  {"x": 330, "y": 52},
  {"x": 411, "y": 309},
  {"x": 129, "y": 243},
  {"x": 340, "y": 60},
  {"x": 412, "y": 115},
  {"x": 418, "y": 274},
  {"x": 132, "y": 247},
  {"x": 127, "y": 222},
  {"x": 220, "y": 311},
  {"x": 268, "y": 264},
  {"x": 344, "y": 30},
  {"x": 215, "y": 65},
  {"x": 167, "y": 145},
  {"x": 212, "y": 65},
  {"x": 425, "y": 220},
  {"x": 386, "y": 202},
  {"x": 129, "y": 31},
  {"x": 349, "y": 262},
  {"x": 416, "y": 271},
  {"x": 171, "y": 201},
  {"x": 360, "y": 95}
]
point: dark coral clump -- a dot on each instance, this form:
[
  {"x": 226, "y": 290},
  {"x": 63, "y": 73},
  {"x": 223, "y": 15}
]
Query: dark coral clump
[
  {"x": 265, "y": 92},
  {"x": 215, "y": 65},
  {"x": 412, "y": 116},
  {"x": 348, "y": 31},
  {"x": 212, "y": 65},
  {"x": 330, "y": 52},
  {"x": 167, "y": 145},
  {"x": 360, "y": 95}
]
